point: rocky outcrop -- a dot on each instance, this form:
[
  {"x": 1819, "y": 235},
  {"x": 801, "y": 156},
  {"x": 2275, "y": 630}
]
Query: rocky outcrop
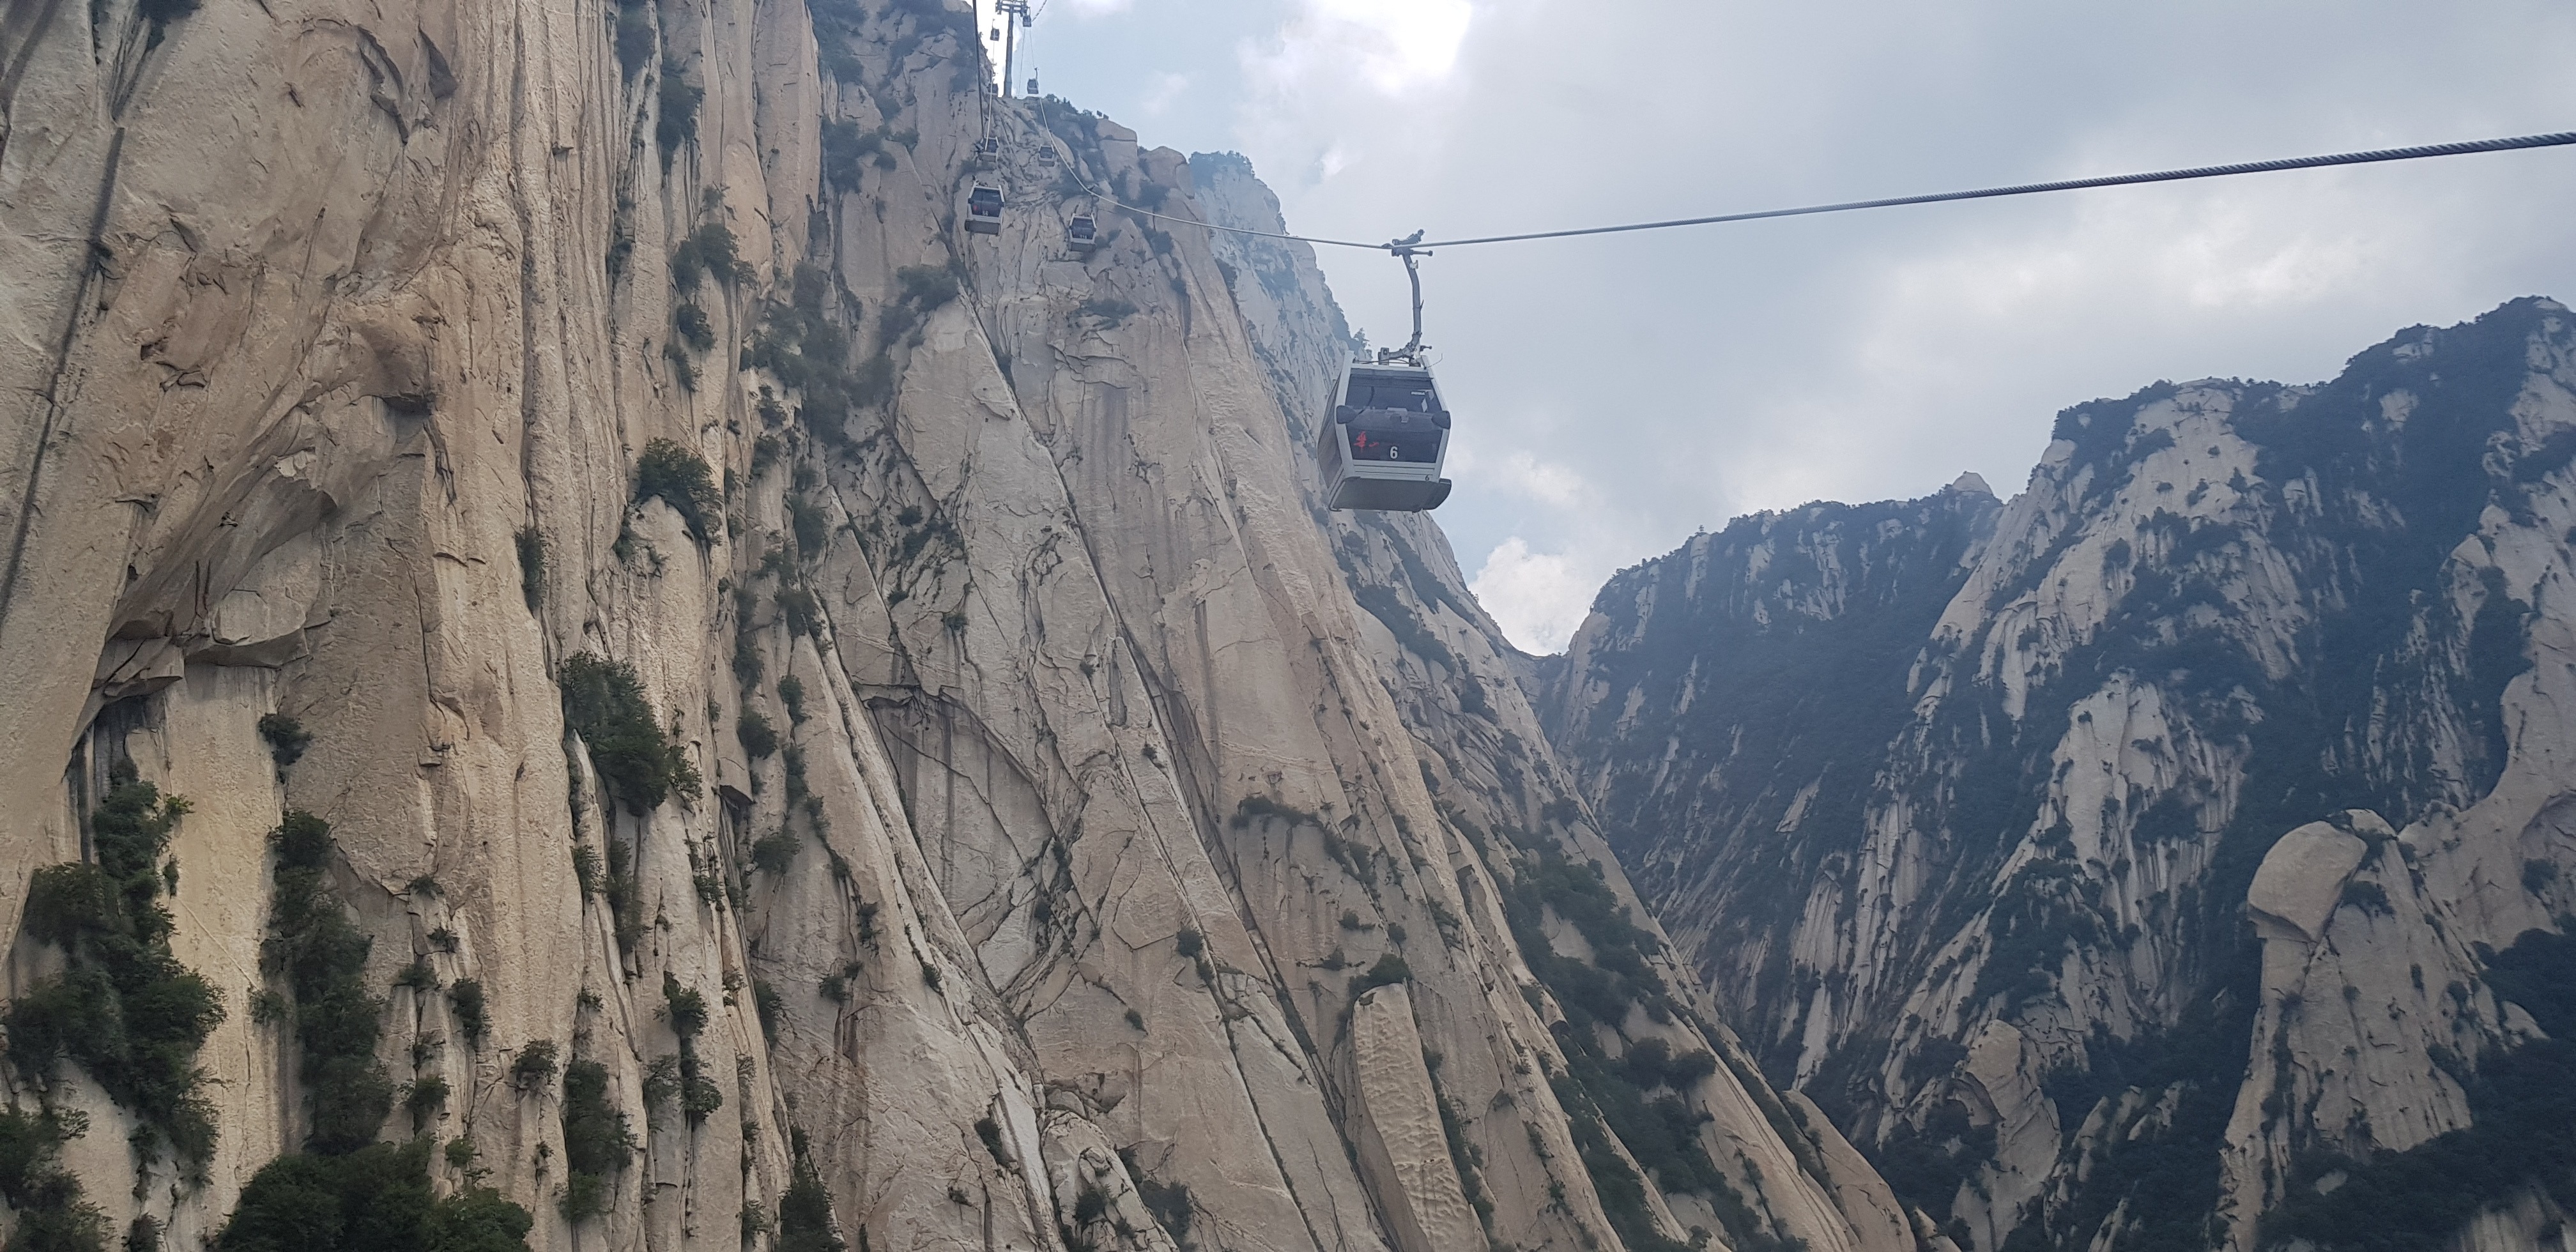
[
  {"x": 831, "y": 727},
  {"x": 2136, "y": 860},
  {"x": 1750, "y": 1168}
]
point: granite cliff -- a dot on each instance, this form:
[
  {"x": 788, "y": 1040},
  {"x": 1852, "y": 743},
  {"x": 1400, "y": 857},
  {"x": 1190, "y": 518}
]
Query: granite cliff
[
  {"x": 2176, "y": 855},
  {"x": 589, "y": 668}
]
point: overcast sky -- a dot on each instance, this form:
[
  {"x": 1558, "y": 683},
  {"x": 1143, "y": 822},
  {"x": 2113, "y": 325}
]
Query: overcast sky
[{"x": 1612, "y": 395}]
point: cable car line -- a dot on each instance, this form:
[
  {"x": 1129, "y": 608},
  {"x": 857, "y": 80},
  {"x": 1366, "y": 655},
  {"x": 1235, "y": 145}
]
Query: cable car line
[
  {"x": 1384, "y": 438},
  {"x": 2371, "y": 157},
  {"x": 2376, "y": 156}
]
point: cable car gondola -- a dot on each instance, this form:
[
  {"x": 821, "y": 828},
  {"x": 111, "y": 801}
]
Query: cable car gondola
[
  {"x": 1387, "y": 433},
  {"x": 1387, "y": 439},
  {"x": 1082, "y": 235},
  {"x": 984, "y": 210}
]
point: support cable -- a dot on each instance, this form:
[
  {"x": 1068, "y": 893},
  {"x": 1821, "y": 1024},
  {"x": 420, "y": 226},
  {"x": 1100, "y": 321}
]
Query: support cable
[{"x": 2371, "y": 157}]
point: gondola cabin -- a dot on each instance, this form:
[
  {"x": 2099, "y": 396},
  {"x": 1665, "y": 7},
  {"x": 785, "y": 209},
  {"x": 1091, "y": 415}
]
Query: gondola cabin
[
  {"x": 1386, "y": 440},
  {"x": 1082, "y": 235},
  {"x": 984, "y": 210}
]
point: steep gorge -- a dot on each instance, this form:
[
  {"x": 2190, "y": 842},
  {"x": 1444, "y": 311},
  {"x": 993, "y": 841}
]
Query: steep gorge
[
  {"x": 2176, "y": 855},
  {"x": 751, "y": 716}
]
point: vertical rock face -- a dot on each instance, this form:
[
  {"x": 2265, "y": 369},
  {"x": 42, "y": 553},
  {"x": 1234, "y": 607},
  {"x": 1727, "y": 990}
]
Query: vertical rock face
[
  {"x": 792, "y": 721},
  {"x": 2164, "y": 857}
]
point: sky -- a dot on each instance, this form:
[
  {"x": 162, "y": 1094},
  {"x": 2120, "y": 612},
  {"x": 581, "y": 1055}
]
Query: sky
[{"x": 1614, "y": 395}]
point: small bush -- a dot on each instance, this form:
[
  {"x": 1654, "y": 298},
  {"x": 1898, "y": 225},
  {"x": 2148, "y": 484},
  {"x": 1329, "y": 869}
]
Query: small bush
[
  {"x": 322, "y": 955},
  {"x": 418, "y": 976},
  {"x": 1170, "y": 1202},
  {"x": 1254, "y": 808},
  {"x": 69, "y": 901},
  {"x": 791, "y": 692},
  {"x": 699, "y": 1094},
  {"x": 710, "y": 249},
  {"x": 286, "y": 737},
  {"x": 635, "y": 41},
  {"x": 683, "y": 371},
  {"x": 693, "y": 326},
  {"x": 1111, "y": 311},
  {"x": 680, "y": 478},
  {"x": 803, "y": 611},
  {"x": 604, "y": 704},
  {"x": 427, "y": 1097},
  {"x": 532, "y": 565},
  {"x": 775, "y": 853},
  {"x": 686, "y": 1008},
  {"x": 770, "y": 1005},
  {"x": 1651, "y": 1063},
  {"x": 758, "y": 737},
  {"x": 846, "y": 148},
  {"x": 676, "y": 124},
  {"x": 805, "y": 1213},
  {"x": 466, "y": 998},
  {"x": 873, "y": 383},
  {"x": 598, "y": 1140},
  {"x": 2369, "y": 897},
  {"x": 1190, "y": 943},
  {"x": 535, "y": 1066},
  {"x": 1389, "y": 970},
  {"x": 927, "y": 287},
  {"x": 661, "y": 1082},
  {"x": 812, "y": 525}
]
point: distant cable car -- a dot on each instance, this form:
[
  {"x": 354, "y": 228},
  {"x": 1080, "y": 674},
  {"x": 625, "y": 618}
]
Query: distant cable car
[
  {"x": 1082, "y": 235},
  {"x": 1386, "y": 441},
  {"x": 984, "y": 210}
]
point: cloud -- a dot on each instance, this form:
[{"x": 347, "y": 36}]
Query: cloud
[
  {"x": 1521, "y": 472},
  {"x": 1392, "y": 46},
  {"x": 1538, "y": 598},
  {"x": 1613, "y": 393},
  {"x": 1166, "y": 88}
]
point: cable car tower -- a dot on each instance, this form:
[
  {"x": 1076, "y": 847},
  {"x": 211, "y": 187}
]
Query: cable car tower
[{"x": 1005, "y": 10}]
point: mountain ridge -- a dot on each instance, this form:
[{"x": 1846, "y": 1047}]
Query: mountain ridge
[{"x": 2031, "y": 875}]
